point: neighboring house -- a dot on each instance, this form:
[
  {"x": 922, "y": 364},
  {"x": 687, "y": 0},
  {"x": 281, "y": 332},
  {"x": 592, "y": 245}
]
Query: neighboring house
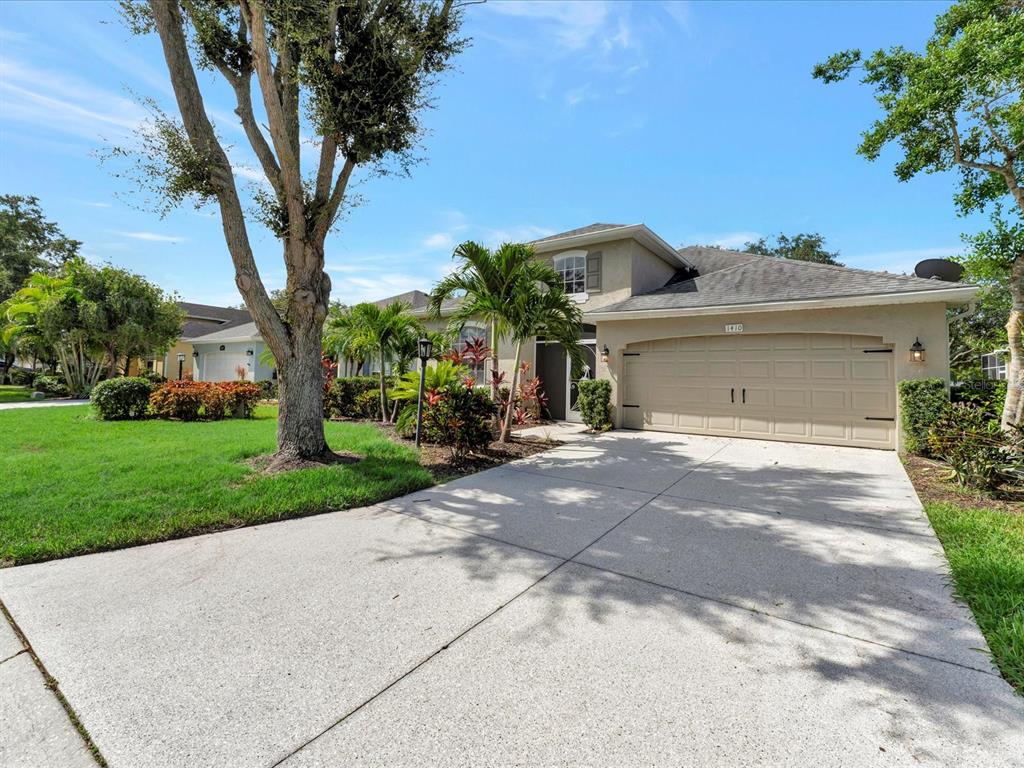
[
  {"x": 716, "y": 342},
  {"x": 993, "y": 365},
  {"x": 215, "y": 342}
]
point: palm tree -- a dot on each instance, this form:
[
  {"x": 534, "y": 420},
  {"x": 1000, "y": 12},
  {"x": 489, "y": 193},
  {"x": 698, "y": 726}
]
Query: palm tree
[
  {"x": 541, "y": 308},
  {"x": 488, "y": 283},
  {"x": 386, "y": 331},
  {"x": 344, "y": 339}
]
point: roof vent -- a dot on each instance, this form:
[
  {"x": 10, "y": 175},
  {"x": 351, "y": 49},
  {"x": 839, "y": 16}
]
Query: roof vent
[{"x": 939, "y": 269}]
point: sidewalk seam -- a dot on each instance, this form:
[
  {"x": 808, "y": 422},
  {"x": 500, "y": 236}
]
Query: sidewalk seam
[{"x": 50, "y": 682}]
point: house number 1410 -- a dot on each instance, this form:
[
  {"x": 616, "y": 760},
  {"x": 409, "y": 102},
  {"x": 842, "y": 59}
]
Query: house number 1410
[{"x": 734, "y": 328}]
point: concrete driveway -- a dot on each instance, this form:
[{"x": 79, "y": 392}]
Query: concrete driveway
[{"x": 626, "y": 599}]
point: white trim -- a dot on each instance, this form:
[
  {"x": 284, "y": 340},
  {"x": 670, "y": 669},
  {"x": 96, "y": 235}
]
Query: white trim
[
  {"x": 639, "y": 232},
  {"x": 959, "y": 295}
]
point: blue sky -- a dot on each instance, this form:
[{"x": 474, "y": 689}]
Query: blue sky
[{"x": 699, "y": 119}]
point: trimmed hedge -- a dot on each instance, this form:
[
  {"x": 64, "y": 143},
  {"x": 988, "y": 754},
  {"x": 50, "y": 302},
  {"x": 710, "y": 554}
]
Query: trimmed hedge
[
  {"x": 346, "y": 397},
  {"x": 50, "y": 385},
  {"x": 922, "y": 403},
  {"x": 126, "y": 397},
  {"x": 595, "y": 403}
]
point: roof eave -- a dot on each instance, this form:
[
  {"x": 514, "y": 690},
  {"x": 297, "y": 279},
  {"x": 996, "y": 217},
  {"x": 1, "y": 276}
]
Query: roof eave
[
  {"x": 958, "y": 295},
  {"x": 639, "y": 232}
]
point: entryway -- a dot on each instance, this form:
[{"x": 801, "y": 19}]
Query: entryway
[{"x": 561, "y": 376}]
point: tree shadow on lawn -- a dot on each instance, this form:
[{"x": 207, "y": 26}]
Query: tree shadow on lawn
[{"x": 822, "y": 548}]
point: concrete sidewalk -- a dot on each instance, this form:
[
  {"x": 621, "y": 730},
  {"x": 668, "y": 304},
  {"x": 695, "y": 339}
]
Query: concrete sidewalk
[
  {"x": 626, "y": 599},
  {"x": 40, "y": 404}
]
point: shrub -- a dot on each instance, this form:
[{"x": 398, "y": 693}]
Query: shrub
[
  {"x": 180, "y": 399},
  {"x": 459, "y": 418},
  {"x": 240, "y": 397},
  {"x": 922, "y": 403},
  {"x": 126, "y": 397},
  {"x": 340, "y": 397},
  {"x": 152, "y": 376},
  {"x": 268, "y": 389},
  {"x": 22, "y": 378},
  {"x": 978, "y": 452},
  {"x": 51, "y": 385},
  {"x": 987, "y": 394},
  {"x": 367, "y": 405},
  {"x": 595, "y": 403}
]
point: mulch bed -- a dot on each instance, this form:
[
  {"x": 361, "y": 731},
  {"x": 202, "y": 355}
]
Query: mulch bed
[
  {"x": 438, "y": 461},
  {"x": 929, "y": 479}
]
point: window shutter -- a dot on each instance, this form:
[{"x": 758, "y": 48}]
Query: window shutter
[{"x": 594, "y": 271}]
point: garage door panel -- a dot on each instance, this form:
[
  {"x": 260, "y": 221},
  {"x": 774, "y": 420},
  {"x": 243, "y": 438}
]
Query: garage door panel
[
  {"x": 829, "y": 369},
  {"x": 791, "y": 369},
  {"x": 815, "y": 388},
  {"x": 871, "y": 370},
  {"x": 792, "y": 398},
  {"x": 755, "y": 369}
]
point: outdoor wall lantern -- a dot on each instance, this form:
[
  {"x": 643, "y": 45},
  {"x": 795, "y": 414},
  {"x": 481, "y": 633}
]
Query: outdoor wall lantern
[
  {"x": 195, "y": 354},
  {"x": 917, "y": 351},
  {"x": 426, "y": 352},
  {"x": 604, "y": 353},
  {"x": 249, "y": 352}
]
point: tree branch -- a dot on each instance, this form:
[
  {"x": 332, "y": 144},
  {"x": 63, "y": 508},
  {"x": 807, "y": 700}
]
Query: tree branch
[
  {"x": 330, "y": 209},
  {"x": 1010, "y": 155},
  {"x": 289, "y": 163},
  {"x": 170, "y": 27},
  {"x": 958, "y": 157}
]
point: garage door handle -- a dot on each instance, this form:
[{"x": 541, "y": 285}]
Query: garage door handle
[
  {"x": 732, "y": 395},
  {"x": 744, "y": 394}
]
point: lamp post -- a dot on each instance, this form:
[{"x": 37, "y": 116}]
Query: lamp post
[
  {"x": 181, "y": 363},
  {"x": 426, "y": 349}
]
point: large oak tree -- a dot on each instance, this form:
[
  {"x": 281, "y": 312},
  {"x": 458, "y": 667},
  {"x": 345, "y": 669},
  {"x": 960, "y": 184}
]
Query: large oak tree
[
  {"x": 957, "y": 106},
  {"x": 357, "y": 74}
]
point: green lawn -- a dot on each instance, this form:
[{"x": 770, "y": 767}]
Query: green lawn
[
  {"x": 12, "y": 394},
  {"x": 985, "y": 548},
  {"x": 73, "y": 484}
]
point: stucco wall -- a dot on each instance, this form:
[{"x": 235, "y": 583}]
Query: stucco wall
[
  {"x": 896, "y": 324},
  {"x": 648, "y": 271}
]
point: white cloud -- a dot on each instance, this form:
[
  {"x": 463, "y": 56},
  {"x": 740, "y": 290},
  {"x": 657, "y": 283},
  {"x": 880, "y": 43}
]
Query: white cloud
[
  {"x": 352, "y": 290},
  {"x": 98, "y": 205},
  {"x": 518, "y": 234},
  {"x": 680, "y": 11},
  {"x": 439, "y": 241},
  {"x": 65, "y": 103},
  {"x": 152, "y": 237},
  {"x": 576, "y": 96},
  {"x": 573, "y": 24}
]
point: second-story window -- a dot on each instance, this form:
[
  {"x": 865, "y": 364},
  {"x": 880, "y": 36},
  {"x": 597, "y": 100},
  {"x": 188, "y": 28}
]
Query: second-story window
[{"x": 573, "y": 271}]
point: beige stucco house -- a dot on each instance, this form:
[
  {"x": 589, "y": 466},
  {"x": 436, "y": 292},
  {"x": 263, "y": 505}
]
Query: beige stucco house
[
  {"x": 216, "y": 344},
  {"x": 715, "y": 342}
]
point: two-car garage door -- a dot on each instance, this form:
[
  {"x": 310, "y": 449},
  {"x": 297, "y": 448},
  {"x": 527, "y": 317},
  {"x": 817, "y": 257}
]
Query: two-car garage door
[{"x": 817, "y": 388}]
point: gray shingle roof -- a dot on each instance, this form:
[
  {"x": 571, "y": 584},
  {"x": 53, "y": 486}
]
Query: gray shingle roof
[
  {"x": 242, "y": 331},
  {"x": 597, "y": 227},
  {"x": 730, "y": 277},
  {"x": 201, "y": 319},
  {"x": 416, "y": 299}
]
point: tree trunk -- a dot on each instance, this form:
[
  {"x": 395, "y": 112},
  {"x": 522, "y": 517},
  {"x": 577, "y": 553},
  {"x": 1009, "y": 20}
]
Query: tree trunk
[
  {"x": 506, "y": 427},
  {"x": 494, "y": 361},
  {"x": 1015, "y": 366},
  {"x": 383, "y": 396},
  {"x": 300, "y": 397},
  {"x": 8, "y": 362}
]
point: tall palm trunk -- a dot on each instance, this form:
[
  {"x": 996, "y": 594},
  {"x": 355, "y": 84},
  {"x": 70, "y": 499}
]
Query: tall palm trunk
[
  {"x": 506, "y": 427},
  {"x": 494, "y": 361},
  {"x": 1015, "y": 368},
  {"x": 383, "y": 396}
]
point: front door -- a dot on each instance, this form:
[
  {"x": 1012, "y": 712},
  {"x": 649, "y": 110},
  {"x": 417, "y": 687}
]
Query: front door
[{"x": 575, "y": 373}]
